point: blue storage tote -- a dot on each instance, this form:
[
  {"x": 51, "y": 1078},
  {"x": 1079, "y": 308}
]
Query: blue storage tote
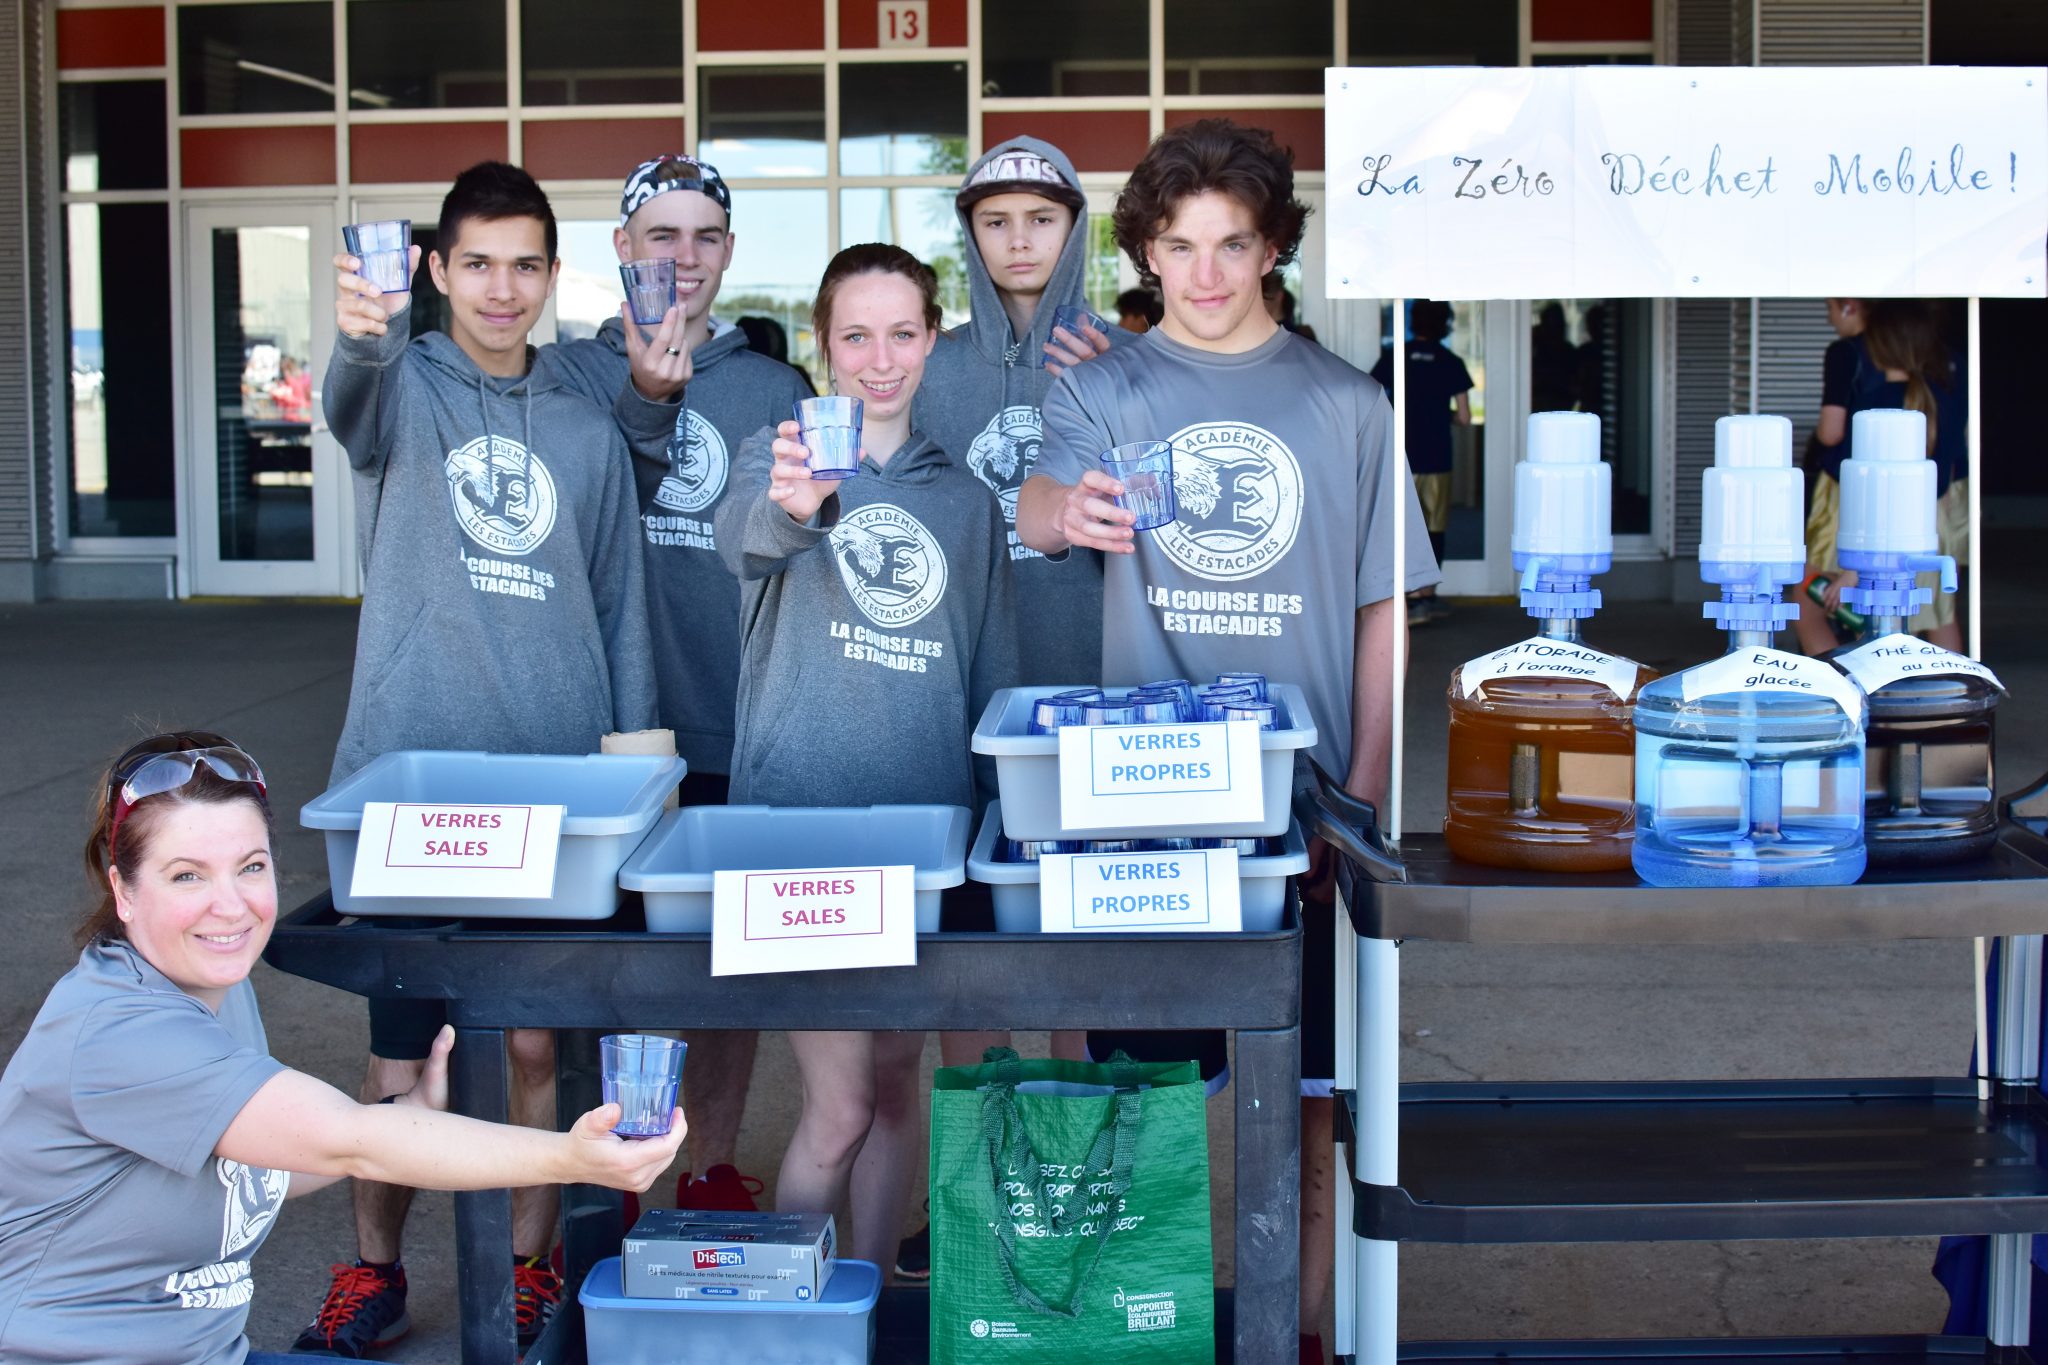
[
  {"x": 1028, "y": 770},
  {"x": 613, "y": 800},
  {"x": 673, "y": 871},
  {"x": 838, "y": 1329},
  {"x": 1261, "y": 882}
]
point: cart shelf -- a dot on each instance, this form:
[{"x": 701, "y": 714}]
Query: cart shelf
[
  {"x": 1781, "y": 1351},
  {"x": 1448, "y": 900},
  {"x": 1678, "y": 1161}
]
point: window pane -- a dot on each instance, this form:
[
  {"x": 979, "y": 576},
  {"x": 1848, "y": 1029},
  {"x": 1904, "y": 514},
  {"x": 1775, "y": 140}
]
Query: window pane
[
  {"x": 112, "y": 133},
  {"x": 922, "y": 222},
  {"x": 1471, "y": 33},
  {"x": 903, "y": 118},
  {"x": 426, "y": 54},
  {"x": 779, "y": 253},
  {"x": 1065, "y": 47},
  {"x": 1226, "y": 47},
  {"x": 263, "y": 391},
  {"x": 588, "y": 291},
  {"x": 255, "y": 59},
  {"x": 1596, "y": 355},
  {"x": 601, "y": 52},
  {"x": 763, "y": 121},
  {"x": 123, "y": 463}
]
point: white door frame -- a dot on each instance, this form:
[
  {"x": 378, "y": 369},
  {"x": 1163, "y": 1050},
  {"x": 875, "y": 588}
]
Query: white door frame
[{"x": 331, "y": 571}]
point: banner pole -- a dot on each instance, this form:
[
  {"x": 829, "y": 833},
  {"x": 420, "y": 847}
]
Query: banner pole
[
  {"x": 1391, "y": 825},
  {"x": 1974, "y": 641}
]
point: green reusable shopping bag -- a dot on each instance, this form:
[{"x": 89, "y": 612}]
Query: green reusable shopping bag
[{"x": 1070, "y": 1213}]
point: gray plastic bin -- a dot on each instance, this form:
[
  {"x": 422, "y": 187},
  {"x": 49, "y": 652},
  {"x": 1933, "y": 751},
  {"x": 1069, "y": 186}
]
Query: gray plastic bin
[
  {"x": 613, "y": 800},
  {"x": 839, "y": 1329},
  {"x": 673, "y": 870},
  {"x": 1028, "y": 770},
  {"x": 1261, "y": 882}
]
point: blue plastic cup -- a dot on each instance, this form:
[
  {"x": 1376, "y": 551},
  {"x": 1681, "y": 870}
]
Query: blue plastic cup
[
  {"x": 1048, "y": 714},
  {"x": 1145, "y": 469},
  {"x": 1213, "y": 700},
  {"x": 640, "y": 1073},
  {"x": 1108, "y": 711},
  {"x": 650, "y": 288},
  {"x": 831, "y": 433},
  {"x": 1163, "y": 709},
  {"x": 1260, "y": 713},
  {"x": 1183, "y": 691},
  {"x": 1080, "y": 695},
  {"x": 1076, "y": 316},
  {"x": 1030, "y": 850},
  {"x": 384, "y": 250},
  {"x": 1255, "y": 681},
  {"x": 1116, "y": 846}
]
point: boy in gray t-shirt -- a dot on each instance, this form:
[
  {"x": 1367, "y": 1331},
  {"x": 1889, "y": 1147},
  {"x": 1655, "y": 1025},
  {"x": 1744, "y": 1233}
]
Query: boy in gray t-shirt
[{"x": 1287, "y": 480}]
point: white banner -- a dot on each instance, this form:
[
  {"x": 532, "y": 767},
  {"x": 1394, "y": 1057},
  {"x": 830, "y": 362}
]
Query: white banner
[{"x": 1717, "y": 182}]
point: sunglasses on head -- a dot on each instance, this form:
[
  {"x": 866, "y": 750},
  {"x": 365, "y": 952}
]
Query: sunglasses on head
[{"x": 164, "y": 763}]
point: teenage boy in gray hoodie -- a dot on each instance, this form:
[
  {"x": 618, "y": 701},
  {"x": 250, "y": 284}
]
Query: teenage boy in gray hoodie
[
  {"x": 503, "y": 610},
  {"x": 685, "y": 393}
]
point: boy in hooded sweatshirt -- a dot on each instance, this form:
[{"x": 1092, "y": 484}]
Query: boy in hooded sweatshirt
[
  {"x": 685, "y": 393},
  {"x": 1026, "y": 223},
  {"x": 503, "y": 610},
  {"x": 875, "y": 623}
]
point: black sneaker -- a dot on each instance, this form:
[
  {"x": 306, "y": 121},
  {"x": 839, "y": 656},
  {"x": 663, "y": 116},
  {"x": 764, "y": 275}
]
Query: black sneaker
[
  {"x": 914, "y": 1255},
  {"x": 364, "y": 1311},
  {"x": 536, "y": 1294}
]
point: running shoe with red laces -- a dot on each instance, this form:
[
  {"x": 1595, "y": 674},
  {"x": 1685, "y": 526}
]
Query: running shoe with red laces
[
  {"x": 536, "y": 1294},
  {"x": 723, "y": 1188},
  {"x": 364, "y": 1311}
]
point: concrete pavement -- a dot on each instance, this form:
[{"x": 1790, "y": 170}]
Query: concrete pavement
[{"x": 81, "y": 680}]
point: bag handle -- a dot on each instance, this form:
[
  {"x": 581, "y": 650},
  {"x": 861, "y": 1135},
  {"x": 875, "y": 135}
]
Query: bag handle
[{"x": 1111, "y": 1154}]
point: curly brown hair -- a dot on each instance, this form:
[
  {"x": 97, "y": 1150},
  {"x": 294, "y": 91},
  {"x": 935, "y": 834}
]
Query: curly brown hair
[{"x": 1212, "y": 154}]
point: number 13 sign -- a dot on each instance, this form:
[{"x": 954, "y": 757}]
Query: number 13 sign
[{"x": 901, "y": 23}]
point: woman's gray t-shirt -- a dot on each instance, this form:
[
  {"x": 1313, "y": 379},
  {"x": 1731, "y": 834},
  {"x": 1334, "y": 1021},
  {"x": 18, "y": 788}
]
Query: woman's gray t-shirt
[{"x": 123, "y": 1238}]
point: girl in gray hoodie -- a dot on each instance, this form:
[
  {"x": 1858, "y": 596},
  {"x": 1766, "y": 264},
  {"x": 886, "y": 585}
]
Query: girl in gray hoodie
[{"x": 875, "y": 620}]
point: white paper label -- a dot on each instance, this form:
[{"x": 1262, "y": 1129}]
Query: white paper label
[
  {"x": 902, "y": 23},
  {"x": 813, "y": 919},
  {"x": 1130, "y": 892},
  {"x": 417, "y": 850},
  {"x": 1905, "y": 656},
  {"x": 1160, "y": 776},
  {"x": 1537, "y": 657},
  {"x": 1772, "y": 670}
]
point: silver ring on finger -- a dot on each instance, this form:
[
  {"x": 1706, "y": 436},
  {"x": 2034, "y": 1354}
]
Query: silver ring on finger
[{"x": 673, "y": 351}]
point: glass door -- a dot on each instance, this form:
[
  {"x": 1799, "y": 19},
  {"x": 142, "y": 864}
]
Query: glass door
[{"x": 269, "y": 498}]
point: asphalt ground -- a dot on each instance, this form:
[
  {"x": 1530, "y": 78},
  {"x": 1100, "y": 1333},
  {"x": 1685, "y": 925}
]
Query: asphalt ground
[{"x": 81, "y": 680}]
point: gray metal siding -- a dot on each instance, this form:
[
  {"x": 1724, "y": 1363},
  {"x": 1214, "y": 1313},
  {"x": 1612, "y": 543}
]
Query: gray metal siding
[
  {"x": 22, "y": 516},
  {"x": 1841, "y": 32}
]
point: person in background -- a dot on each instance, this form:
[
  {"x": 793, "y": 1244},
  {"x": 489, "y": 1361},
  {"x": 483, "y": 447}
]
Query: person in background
[
  {"x": 504, "y": 610},
  {"x": 1138, "y": 310},
  {"x": 766, "y": 336},
  {"x": 151, "y": 1137},
  {"x": 685, "y": 393},
  {"x": 1439, "y": 397},
  {"x": 1889, "y": 354},
  {"x": 1288, "y": 483},
  {"x": 876, "y": 621},
  {"x": 1280, "y": 306},
  {"x": 1553, "y": 362}
]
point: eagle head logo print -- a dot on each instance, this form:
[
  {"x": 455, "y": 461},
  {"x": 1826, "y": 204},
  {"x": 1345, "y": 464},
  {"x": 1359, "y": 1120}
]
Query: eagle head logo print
[
  {"x": 892, "y": 566},
  {"x": 1239, "y": 492},
  {"x": 503, "y": 495}
]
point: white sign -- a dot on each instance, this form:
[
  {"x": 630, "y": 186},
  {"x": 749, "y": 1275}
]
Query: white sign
[
  {"x": 1160, "y": 776},
  {"x": 813, "y": 919},
  {"x": 1537, "y": 657},
  {"x": 1893, "y": 657},
  {"x": 1129, "y": 892},
  {"x": 1720, "y": 182},
  {"x": 500, "y": 852},
  {"x": 1772, "y": 670},
  {"x": 901, "y": 23}
]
